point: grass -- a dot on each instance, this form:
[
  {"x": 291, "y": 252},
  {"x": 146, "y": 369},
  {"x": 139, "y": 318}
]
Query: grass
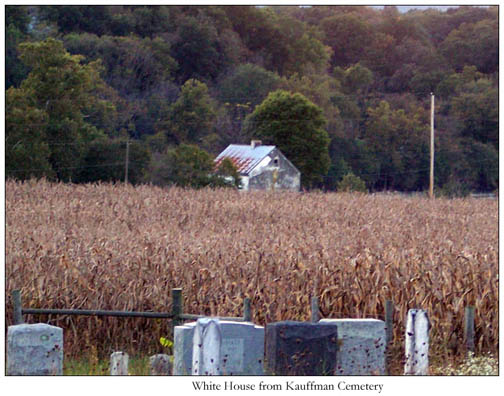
[
  {"x": 481, "y": 365},
  {"x": 138, "y": 365}
]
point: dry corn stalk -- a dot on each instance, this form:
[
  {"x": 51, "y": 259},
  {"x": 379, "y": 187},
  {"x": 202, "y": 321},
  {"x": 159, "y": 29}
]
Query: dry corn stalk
[{"x": 119, "y": 247}]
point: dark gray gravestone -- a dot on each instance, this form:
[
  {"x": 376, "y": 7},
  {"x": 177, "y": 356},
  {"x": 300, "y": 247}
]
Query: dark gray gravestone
[{"x": 301, "y": 348}]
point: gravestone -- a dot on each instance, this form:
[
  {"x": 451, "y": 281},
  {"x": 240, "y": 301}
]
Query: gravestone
[
  {"x": 34, "y": 349},
  {"x": 160, "y": 364},
  {"x": 417, "y": 343},
  {"x": 207, "y": 340},
  {"x": 119, "y": 363},
  {"x": 361, "y": 345},
  {"x": 242, "y": 348},
  {"x": 301, "y": 348}
]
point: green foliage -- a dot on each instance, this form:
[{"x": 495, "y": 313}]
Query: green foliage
[
  {"x": 58, "y": 93},
  {"x": 473, "y": 44},
  {"x": 296, "y": 126},
  {"x": 16, "y": 29},
  {"x": 346, "y": 34},
  {"x": 357, "y": 79},
  {"x": 133, "y": 66},
  {"x": 228, "y": 171},
  {"x": 197, "y": 50},
  {"x": 321, "y": 90},
  {"x": 91, "y": 19},
  {"x": 126, "y": 71},
  {"x": 455, "y": 189},
  {"x": 352, "y": 183},
  {"x": 186, "y": 166},
  {"x": 191, "y": 117},
  {"x": 166, "y": 342},
  {"x": 477, "y": 108},
  {"x": 397, "y": 141},
  {"x": 105, "y": 160},
  {"x": 247, "y": 84},
  {"x": 26, "y": 149}
]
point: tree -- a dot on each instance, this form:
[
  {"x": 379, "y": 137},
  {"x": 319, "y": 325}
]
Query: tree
[
  {"x": 74, "y": 18},
  {"x": 187, "y": 166},
  {"x": 351, "y": 183},
  {"x": 296, "y": 126},
  {"x": 26, "y": 149},
  {"x": 133, "y": 66},
  {"x": 229, "y": 172},
  {"x": 397, "y": 140},
  {"x": 474, "y": 44},
  {"x": 357, "y": 79},
  {"x": 247, "y": 83},
  {"x": 346, "y": 34},
  {"x": 16, "y": 31},
  {"x": 64, "y": 90},
  {"x": 476, "y": 107},
  {"x": 105, "y": 160},
  {"x": 191, "y": 117},
  {"x": 197, "y": 50}
]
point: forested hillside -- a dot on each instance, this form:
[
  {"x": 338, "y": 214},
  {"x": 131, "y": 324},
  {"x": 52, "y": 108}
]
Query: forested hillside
[{"x": 168, "y": 87}]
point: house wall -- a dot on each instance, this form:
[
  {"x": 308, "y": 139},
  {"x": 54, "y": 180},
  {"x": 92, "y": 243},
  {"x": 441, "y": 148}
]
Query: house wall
[{"x": 274, "y": 172}]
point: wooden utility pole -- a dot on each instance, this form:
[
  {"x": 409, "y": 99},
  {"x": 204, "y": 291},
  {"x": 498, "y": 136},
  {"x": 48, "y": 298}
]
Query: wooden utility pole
[
  {"x": 127, "y": 162},
  {"x": 431, "y": 183}
]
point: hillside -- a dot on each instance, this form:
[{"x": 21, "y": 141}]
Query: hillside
[{"x": 83, "y": 80}]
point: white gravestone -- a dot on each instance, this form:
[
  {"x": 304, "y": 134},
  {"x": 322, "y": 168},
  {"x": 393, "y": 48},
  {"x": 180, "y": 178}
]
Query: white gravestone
[
  {"x": 207, "y": 340},
  {"x": 242, "y": 349},
  {"x": 34, "y": 349},
  {"x": 417, "y": 343},
  {"x": 361, "y": 346},
  {"x": 119, "y": 363}
]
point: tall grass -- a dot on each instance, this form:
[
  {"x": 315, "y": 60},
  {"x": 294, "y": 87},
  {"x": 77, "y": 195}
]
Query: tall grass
[{"x": 121, "y": 247}]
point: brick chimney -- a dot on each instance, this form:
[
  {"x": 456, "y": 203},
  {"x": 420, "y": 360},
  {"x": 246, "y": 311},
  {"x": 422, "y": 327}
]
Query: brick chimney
[{"x": 255, "y": 143}]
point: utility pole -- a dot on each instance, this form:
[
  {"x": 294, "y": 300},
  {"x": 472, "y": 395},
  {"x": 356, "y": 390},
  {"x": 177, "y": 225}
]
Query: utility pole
[
  {"x": 431, "y": 184},
  {"x": 127, "y": 162}
]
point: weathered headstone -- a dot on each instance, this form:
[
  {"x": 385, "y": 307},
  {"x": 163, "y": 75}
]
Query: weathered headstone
[
  {"x": 361, "y": 345},
  {"x": 242, "y": 348},
  {"x": 34, "y": 349},
  {"x": 417, "y": 343},
  {"x": 207, "y": 340},
  {"x": 301, "y": 348},
  {"x": 160, "y": 364},
  {"x": 119, "y": 363}
]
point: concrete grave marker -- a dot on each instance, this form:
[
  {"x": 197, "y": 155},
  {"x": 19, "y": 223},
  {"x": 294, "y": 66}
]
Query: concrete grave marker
[
  {"x": 417, "y": 343},
  {"x": 119, "y": 363},
  {"x": 361, "y": 346},
  {"x": 34, "y": 349},
  {"x": 207, "y": 340},
  {"x": 160, "y": 364},
  {"x": 301, "y": 348},
  {"x": 242, "y": 349}
]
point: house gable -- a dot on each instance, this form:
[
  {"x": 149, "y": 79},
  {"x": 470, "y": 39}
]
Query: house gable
[{"x": 262, "y": 167}]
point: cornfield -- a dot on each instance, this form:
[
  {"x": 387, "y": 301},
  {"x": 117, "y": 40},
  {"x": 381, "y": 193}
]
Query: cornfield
[{"x": 116, "y": 247}]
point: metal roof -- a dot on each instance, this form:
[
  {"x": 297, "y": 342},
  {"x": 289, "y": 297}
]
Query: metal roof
[{"x": 243, "y": 156}]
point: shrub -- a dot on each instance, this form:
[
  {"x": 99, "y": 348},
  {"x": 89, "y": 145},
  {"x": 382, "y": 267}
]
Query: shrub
[{"x": 351, "y": 183}]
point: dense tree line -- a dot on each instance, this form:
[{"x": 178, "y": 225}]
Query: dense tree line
[{"x": 343, "y": 90}]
